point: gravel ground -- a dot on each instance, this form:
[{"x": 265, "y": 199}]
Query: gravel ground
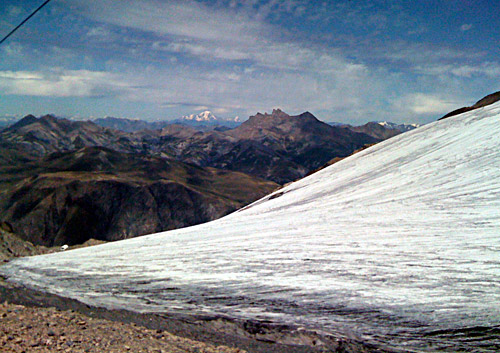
[{"x": 28, "y": 329}]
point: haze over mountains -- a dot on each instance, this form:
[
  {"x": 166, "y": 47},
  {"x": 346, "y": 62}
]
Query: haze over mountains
[
  {"x": 205, "y": 121},
  {"x": 383, "y": 130},
  {"x": 396, "y": 245}
]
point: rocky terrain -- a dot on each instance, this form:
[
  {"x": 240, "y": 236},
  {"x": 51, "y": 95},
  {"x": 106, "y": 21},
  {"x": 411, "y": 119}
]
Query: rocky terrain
[
  {"x": 489, "y": 99},
  {"x": 95, "y": 192},
  {"x": 275, "y": 146},
  {"x": 31, "y": 329},
  {"x": 40, "y": 136},
  {"x": 12, "y": 246}
]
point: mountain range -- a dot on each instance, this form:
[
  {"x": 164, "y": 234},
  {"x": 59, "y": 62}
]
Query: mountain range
[
  {"x": 57, "y": 175},
  {"x": 383, "y": 130},
  {"x": 203, "y": 121},
  {"x": 275, "y": 146}
]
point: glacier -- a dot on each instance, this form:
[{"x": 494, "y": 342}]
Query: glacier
[{"x": 397, "y": 245}]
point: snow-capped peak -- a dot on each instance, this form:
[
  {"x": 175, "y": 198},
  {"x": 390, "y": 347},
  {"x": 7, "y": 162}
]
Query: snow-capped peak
[
  {"x": 400, "y": 127},
  {"x": 203, "y": 116}
]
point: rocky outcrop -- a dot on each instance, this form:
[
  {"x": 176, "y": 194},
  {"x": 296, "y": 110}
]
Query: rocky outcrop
[
  {"x": 489, "y": 99},
  {"x": 12, "y": 246}
]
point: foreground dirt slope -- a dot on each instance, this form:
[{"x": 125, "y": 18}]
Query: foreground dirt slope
[{"x": 26, "y": 329}]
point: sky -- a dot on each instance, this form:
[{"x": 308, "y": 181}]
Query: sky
[{"x": 348, "y": 61}]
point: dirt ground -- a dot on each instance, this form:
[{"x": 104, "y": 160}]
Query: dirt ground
[{"x": 28, "y": 329}]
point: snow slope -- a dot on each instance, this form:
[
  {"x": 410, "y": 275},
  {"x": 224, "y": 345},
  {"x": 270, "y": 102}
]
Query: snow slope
[{"x": 397, "y": 244}]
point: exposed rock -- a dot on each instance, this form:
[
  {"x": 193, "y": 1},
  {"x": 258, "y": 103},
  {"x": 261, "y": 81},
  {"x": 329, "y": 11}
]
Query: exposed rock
[
  {"x": 12, "y": 246},
  {"x": 49, "y": 134},
  {"x": 489, "y": 99},
  {"x": 73, "y": 332}
]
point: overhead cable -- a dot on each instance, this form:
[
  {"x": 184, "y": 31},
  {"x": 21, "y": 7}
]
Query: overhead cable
[{"x": 25, "y": 20}]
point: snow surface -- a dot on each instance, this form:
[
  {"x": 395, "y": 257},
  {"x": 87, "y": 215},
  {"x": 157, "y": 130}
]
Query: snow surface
[
  {"x": 203, "y": 116},
  {"x": 397, "y": 244},
  {"x": 208, "y": 116}
]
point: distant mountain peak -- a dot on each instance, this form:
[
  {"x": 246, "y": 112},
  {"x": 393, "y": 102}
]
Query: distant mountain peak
[
  {"x": 276, "y": 113},
  {"x": 279, "y": 112},
  {"x": 203, "y": 116},
  {"x": 27, "y": 120},
  {"x": 400, "y": 127}
]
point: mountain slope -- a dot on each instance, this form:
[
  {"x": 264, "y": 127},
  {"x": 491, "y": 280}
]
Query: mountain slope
[
  {"x": 276, "y": 146},
  {"x": 50, "y": 134},
  {"x": 382, "y": 130},
  {"x": 489, "y": 99},
  {"x": 94, "y": 192},
  {"x": 397, "y": 244}
]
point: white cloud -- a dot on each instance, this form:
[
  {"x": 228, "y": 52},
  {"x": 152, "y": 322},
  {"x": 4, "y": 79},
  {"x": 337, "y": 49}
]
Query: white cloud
[
  {"x": 203, "y": 50},
  {"x": 424, "y": 54},
  {"x": 60, "y": 83},
  {"x": 465, "y": 27},
  {"x": 188, "y": 19},
  {"x": 422, "y": 103},
  {"x": 487, "y": 69}
]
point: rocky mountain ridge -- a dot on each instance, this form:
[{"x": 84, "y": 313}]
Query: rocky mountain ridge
[
  {"x": 275, "y": 146},
  {"x": 95, "y": 192},
  {"x": 489, "y": 99},
  {"x": 382, "y": 130},
  {"x": 48, "y": 134},
  {"x": 203, "y": 121}
]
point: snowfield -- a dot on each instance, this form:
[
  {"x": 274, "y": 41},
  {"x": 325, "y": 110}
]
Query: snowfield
[{"x": 398, "y": 244}]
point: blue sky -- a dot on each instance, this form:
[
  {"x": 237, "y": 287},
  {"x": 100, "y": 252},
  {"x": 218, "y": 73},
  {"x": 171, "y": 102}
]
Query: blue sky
[{"x": 349, "y": 61}]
